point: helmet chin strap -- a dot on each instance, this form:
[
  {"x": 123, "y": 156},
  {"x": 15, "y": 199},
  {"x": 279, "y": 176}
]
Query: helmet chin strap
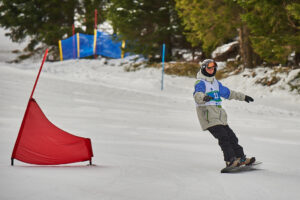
[{"x": 205, "y": 73}]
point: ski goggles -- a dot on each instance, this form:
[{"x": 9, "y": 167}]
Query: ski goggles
[{"x": 211, "y": 65}]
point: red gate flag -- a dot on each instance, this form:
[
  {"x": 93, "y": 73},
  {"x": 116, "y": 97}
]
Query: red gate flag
[{"x": 41, "y": 142}]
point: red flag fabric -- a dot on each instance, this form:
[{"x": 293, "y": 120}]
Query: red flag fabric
[{"x": 41, "y": 142}]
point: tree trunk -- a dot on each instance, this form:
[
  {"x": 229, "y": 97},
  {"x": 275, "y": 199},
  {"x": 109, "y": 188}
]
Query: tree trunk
[
  {"x": 89, "y": 16},
  {"x": 169, "y": 47},
  {"x": 246, "y": 50},
  {"x": 297, "y": 59}
]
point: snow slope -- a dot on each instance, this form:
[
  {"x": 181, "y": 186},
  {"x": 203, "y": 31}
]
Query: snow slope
[{"x": 147, "y": 143}]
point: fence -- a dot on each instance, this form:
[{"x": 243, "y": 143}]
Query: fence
[{"x": 82, "y": 45}]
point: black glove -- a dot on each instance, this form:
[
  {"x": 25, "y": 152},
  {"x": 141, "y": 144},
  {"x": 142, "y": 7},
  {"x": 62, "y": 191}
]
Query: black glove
[
  {"x": 207, "y": 98},
  {"x": 248, "y": 99}
]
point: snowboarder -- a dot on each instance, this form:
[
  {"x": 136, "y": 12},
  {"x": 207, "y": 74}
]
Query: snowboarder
[{"x": 212, "y": 117}]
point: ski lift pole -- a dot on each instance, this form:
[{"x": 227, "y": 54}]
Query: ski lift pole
[{"x": 163, "y": 66}]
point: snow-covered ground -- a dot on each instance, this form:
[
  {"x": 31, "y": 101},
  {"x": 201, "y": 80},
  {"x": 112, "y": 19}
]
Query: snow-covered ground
[
  {"x": 147, "y": 143},
  {"x": 7, "y": 47}
]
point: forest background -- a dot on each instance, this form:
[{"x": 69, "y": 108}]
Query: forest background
[{"x": 266, "y": 31}]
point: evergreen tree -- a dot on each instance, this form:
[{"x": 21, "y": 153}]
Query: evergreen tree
[
  {"x": 42, "y": 21},
  {"x": 208, "y": 22},
  {"x": 275, "y": 28},
  {"x": 146, "y": 25},
  {"x": 87, "y": 12},
  {"x": 213, "y": 23}
]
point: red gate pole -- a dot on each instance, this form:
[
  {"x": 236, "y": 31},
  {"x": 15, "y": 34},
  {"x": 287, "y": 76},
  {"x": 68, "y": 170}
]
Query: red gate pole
[
  {"x": 73, "y": 45},
  {"x": 27, "y": 108},
  {"x": 37, "y": 78},
  {"x": 73, "y": 29}
]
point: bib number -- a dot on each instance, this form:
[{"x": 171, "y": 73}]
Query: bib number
[{"x": 215, "y": 95}]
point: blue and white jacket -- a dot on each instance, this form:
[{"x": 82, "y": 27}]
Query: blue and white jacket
[
  {"x": 214, "y": 89},
  {"x": 211, "y": 113}
]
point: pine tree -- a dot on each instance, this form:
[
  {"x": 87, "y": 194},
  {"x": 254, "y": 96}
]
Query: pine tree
[
  {"x": 87, "y": 12},
  {"x": 146, "y": 25},
  {"x": 42, "y": 21},
  {"x": 207, "y": 22},
  {"x": 275, "y": 28},
  {"x": 213, "y": 23}
]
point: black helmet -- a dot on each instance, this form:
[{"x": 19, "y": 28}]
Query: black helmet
[{"x": 208, "y": 63}]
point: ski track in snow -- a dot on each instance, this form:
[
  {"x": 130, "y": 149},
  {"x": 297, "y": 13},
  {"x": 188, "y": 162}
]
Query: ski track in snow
[{"x": 147, "y": 143}]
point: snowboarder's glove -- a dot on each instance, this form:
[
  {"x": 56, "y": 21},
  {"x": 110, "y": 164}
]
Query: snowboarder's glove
[
  {"x": 207, "y": 98},
  {"x": 248, "y": 99}
]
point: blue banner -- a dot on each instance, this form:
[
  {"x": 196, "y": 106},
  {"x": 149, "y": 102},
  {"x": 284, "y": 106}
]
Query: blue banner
[
  {"x": 106, "y": 45},
  {"x": 69, "y": 48}
]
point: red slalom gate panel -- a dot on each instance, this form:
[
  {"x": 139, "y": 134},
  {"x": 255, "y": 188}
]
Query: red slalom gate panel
[{"x": 41, "y": 142}]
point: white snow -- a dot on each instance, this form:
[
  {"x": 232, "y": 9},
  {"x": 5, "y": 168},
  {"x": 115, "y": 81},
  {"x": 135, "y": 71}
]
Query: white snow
[
  {"x": 147, "y": 143},
  {"x": 222, "y": 49},
  {"x": 6, "y": 47},
  {"x": 106, "y": 27}
]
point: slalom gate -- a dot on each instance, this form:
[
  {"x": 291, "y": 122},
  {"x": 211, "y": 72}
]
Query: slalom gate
[{"x": 40, "y": 142}]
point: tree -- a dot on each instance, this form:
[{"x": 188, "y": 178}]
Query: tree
[
  {"x": 146, "y": 25},
  {"x": 274, "y": 28},
  {"x": 42, "y": 21},
  {"x": 213, "y": 23},
  {"x": 87, "y": 12}
]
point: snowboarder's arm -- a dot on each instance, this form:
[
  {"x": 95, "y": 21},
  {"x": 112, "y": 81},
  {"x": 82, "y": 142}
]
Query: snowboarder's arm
[
  {"x": 236, "y": 95},
  {"x": 230, "y": 94},
  {"x": 199, "y": 98},
  {"x": 199, "y": 92}
]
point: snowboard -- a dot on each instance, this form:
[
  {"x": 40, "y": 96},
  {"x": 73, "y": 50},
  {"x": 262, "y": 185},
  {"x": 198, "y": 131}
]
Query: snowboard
[{"x": 250, "y": 167}]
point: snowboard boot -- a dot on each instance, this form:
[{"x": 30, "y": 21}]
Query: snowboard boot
[
  {"x": 234, "y": 162},
  {"x": 246, "y": 161}
]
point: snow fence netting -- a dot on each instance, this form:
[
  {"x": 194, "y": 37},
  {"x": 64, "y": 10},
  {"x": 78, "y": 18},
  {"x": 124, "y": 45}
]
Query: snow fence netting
[
  {"x": 108, "y": 45},
  {"x": 83, "y": 45},
  {"x": 86, "y": 45},
  {"x": 69, "y": 48}
]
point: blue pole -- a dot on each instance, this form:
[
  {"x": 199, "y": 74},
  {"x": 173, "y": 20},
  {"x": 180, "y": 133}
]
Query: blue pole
[{"x": 163, "y": 67}]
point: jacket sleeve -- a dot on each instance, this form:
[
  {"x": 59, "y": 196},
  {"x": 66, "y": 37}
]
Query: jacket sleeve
[
  {"x": 230, "y": 94},
  {"x": 199, "y": 92},
  {"x": 236, "y": 95}
]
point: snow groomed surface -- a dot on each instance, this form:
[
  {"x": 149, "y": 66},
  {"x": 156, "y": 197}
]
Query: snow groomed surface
[{"x": 148, "y": 144}]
